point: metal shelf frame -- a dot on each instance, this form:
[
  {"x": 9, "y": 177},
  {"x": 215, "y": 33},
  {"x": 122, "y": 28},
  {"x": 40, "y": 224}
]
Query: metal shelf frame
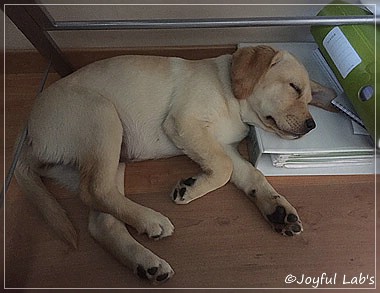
[
  {"x": 209, "y": 23},
  {"x": 35, "y": 22}
]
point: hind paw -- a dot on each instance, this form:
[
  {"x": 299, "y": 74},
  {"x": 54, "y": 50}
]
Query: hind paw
[
  {"x": 155, "y": 225},
  {"x": 156, "y": 271}
]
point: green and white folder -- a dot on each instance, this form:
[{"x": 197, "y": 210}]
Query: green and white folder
[{"x": 350, "y": 52}]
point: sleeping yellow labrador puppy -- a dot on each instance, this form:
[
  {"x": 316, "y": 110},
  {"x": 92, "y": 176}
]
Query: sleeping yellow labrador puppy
[{"x": 130, "y": 108}]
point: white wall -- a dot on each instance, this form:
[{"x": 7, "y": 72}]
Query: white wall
[{"x": 134, "y": 38}]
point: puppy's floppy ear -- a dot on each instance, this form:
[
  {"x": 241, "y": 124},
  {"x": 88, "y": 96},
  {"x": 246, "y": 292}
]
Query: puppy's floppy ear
[
  {"x": 249, "y": 65},
  {"x": 277, "y": 58},
  {"x": 322, "y": 96}
]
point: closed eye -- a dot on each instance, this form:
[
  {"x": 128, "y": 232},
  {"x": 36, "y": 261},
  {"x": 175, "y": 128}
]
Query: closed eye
[{"x": 296, "y": 88}]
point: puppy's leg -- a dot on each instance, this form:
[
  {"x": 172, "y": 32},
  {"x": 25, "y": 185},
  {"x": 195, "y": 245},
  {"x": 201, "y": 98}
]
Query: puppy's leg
[
  {"x": 104, "y": 196},
  {"x": 153, "y": 223},
  {"x": 112, "y": 234},
  {"x": 197, "y": 141},
  {"x": 282, "y": 216}
]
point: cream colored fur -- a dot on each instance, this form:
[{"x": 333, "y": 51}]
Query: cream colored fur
[{"x": 132, "y": 108}]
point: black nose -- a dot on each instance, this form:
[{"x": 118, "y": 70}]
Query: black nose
[{"x": 310, "y": 124}]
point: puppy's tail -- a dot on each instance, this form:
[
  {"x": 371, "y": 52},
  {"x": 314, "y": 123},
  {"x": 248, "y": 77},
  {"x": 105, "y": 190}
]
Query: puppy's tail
[{"x": 29, "y": 179}]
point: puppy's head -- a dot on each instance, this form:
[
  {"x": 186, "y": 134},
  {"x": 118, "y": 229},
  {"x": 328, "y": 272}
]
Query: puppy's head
[{"x": 277, "y": 90}]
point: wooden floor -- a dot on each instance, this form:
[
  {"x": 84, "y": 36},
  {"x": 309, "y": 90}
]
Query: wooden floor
[{"x": 220, "y": 241}]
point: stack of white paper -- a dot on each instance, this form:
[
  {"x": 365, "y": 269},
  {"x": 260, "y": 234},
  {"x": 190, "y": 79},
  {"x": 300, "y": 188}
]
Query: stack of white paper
[{"x": 321, "y": 160}]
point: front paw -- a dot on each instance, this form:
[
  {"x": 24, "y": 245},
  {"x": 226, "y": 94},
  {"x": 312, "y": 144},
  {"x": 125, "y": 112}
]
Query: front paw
[
  {"x": 181, "y": 192},
  {"x": 285, "y": 220}
]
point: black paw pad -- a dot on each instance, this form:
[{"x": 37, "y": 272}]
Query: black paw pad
[
  {"x": 162, "y": 277},
  {"x": 175, "y": 194},
  {"x": 278, "y": 217},
  {"x": 278, "y": 228},
  {"x": 296, "y": 228},
  {"x": 252, "y": 194},
  {"x": 152, "y": 271},
  {"x": 141, "y": 272},
  {"x": 292, "y": 218},
  {"x": 189, "y": 181},
  {"x": 289, "y": 233},
  {"x": 179, "y": 192},
  {"x": 182, "y": 192}
]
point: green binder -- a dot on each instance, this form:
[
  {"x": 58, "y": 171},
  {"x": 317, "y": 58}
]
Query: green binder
[{"x": 350, "y": 52}]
